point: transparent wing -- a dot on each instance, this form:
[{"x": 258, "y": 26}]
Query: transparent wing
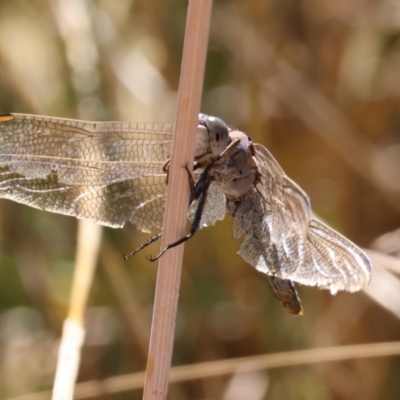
[
  {"x": 303, "y": 249},
  {"x": 335, "y": 262},
  {"x": 109, "y": 173},
  {"x": 214, "y": 210},
  {"x": 288, "y": 208}
]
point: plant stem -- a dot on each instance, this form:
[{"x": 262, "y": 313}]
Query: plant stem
[{"x": 170, "y": 265}]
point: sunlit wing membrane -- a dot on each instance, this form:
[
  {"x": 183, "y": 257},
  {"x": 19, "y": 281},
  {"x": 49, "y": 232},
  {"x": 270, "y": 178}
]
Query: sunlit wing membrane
[
  {"x": 338, "y": 264},
  {"x": 289, "y": 211},
  {"x": 109, "y": 173},
  {"x": 305, "y": 250},
  {"x": 215, "y": 209}
]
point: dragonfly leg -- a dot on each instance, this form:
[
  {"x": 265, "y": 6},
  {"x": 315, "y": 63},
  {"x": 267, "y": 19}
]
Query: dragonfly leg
[
  {"x": 165, "y": 168},
  {"x": 192, "y": 186},
  {"x": 200, "y": 192},
  {"x": 149, "y": 241},
  {"x": 196, "y": 190}
]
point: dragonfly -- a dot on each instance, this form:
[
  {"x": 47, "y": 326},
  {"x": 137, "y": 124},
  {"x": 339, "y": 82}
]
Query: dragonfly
[{"x": 112, "y": 173}]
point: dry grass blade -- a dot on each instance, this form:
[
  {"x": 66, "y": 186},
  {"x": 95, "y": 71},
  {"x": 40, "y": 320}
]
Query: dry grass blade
[
  {"x": 89, "y": 237},
  {"x": 385, "y": 261},
  {"x": 169, "y": 272},
  {"x": 214, "y": 368}
]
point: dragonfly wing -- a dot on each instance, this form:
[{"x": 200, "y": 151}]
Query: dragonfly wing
[
  {"x": 252, "y": 222},
  {"x": 109, "y": 205},
  {"x": 283, "y": 239},
  {"x": 106, "y": 172},
  {"x": 334, "y": 262},
  {"x": 109, "y": 173},
  {"x": 214, "y": 210},
  {"x": 56, "y": 141},
  {"x": 287, "y": 209}
]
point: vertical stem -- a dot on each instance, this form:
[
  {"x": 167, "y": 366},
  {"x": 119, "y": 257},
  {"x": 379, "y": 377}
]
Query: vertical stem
[
  {"x": 89, "y": 237},
  {"x": 170, "y": 265}
]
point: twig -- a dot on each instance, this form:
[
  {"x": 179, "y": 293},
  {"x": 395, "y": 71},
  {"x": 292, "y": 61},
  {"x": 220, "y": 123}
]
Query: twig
[
  {"x": 170, "y": 266},
  {"x": 385, "y": 261},
  {"x": 212, "y": 369},
  {"x": 89, "y": 236}
]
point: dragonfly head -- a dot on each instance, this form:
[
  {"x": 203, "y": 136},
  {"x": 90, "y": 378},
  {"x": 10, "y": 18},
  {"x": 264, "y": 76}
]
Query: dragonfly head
[{"x": 212, "y": 138}]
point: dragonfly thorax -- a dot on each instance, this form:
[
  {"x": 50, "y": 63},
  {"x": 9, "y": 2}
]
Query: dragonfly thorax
[{"x": 235, "y": 172}]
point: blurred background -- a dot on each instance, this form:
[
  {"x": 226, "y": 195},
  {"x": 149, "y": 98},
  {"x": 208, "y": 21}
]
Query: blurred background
[{"x": 317, "y": 82}]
